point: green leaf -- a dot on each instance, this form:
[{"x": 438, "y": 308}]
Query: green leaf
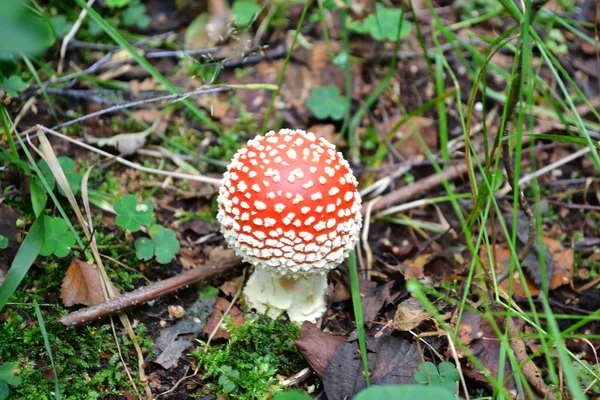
[
  {"x": 67, "y": 164},
  {"x": 60, "y": 25},
  {"x": 8, "y": 374},
  {"x": 13, "y": 85},
  {"x": 29, "y": 250},
  {"x": 426, "y": 373},
  {"x": 206, "y": 291},
  {"x": 58, "y": 238},
  {"x": 29, "y": 30},
  {"x": 448, "y": 370},
  {"x": 117, "y": 3},
  {"x": 326, "y": 102},
  {"x": 131, "y": 214},
  {"x": 144, "y": 248},
  {"x": 405, "y": 391},
  {"x": 381, "y": 25},
  {"x": 244, "y": 12},
  {"x": 135, "y": 15},
  {"x": 166, "y": 245},
  {"x": 39, "y": 198},
  {"x": 3, "y": 242},
  {"x": 3, "y": 390},
  {"x": 292, "y": 395},
  {"x": 226, "y": 384}
]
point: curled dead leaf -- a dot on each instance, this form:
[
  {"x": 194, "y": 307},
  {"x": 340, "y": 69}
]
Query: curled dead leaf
[
  {"x": 410, "y": 314},
  {"x": 81, "y": 285}
]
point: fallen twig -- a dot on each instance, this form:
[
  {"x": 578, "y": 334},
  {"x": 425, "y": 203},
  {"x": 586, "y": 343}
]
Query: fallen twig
[
  {"x": 418, "y": 188},
  {"x": 223, "y": 265}
]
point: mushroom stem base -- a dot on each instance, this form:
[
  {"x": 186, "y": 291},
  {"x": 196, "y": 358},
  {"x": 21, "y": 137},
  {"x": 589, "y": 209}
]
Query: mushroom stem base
[{"x": 302, "y": 298}]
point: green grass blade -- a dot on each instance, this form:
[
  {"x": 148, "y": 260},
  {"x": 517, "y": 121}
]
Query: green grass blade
[
  {"x": 40, "y": 319},
  {"x": 26, "y": 255},
  {"x": 358, "y": 315}
]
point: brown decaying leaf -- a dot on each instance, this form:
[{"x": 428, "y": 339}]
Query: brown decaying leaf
[
  {"x": 392, "y": 361},
  {"x": 231, "y": 287},
  {"x": 317, "y": 347},
  {"x": 237, "y": 317},
  {"x": 81, "y": 285},
  {"x": 563, "y": 267},
  {"x": 478, "y": 335},
  {"x": 409, "y": 315}
]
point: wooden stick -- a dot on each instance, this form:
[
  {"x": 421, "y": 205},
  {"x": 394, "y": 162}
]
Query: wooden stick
[
  {"x": 416, "y": 189},
  {"x": 151, "y": 292}
]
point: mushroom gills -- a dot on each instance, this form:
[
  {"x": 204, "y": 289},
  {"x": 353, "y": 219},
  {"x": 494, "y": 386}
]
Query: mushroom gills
[{"x": 303, "y": 298}]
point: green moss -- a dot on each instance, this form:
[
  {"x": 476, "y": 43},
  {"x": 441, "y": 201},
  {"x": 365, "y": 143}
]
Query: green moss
[
  {"x": 86, "y": 359},
  {"x": 246, "y": 367}
]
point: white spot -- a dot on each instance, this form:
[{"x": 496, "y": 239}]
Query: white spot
[
  {"x": 258, "y": 221},
  {"x": 291, "y": 154},
  {"x": 260, "y": 205},
  {"x": 252, "y": 174},
  {"x": 316, "y": 196},
  {"x": 279, "y": 207},
  {"x": 309, "y": 221},
  {"x": 242, "y": 186},
  {"x": 322, "y": 180},
  {"x": 333, "y": 191},
  {"x": 298, "y": 199},
  {"x": 305, "y": 210},
  {"x": 331, "y": 222},
  {"x": 330, "y": 208},
  {"x": 348, "y": 196},
  {"x": 256, "y": 188},
  {"x": 308, "y": 185}
]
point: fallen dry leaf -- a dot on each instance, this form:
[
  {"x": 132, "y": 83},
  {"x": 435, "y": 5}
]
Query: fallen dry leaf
[
  {"x": 81, "y": 285},
  {"x": 392, "y": 361},
  {"x": 563, "y": 267},
  {"x": 409, "y": 315},
  {"x": 317, "y": 347},
  {"x": 237, "y": 317},
  {"x": 231, "y": 287},
  {"x": 479, "y": 336}
]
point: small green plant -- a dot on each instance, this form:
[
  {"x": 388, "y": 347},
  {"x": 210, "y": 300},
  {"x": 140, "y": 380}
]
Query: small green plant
[
  {"x": 162, "y": 243},
  {"x": 58, "y": 238},
  {"x": 445, "y": 375},
  {"x": 27, "y": 27},
  {"x": 8, "y": 376},
  {"x": 244, "y": 12},
  {"x": 68, "y": 165},
  {"x": 13, "y": 85},
  {"x": 3, "y": 242},
  {"x": 326, "y": 102},
  {"x": 246, "y": 367},
  {"x": 131, "y": 214},
  {"x": 382, "y": 24}
]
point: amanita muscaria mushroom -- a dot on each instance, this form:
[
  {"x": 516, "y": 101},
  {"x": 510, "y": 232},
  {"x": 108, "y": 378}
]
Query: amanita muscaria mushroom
[{"x": 288, "y": 204}]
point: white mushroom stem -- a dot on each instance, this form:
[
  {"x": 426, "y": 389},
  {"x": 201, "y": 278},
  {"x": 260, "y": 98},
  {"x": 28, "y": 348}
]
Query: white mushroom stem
[{"x": 303, "y": 298}]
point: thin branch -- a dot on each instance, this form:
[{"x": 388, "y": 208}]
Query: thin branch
[
  {"x": 144, "y": 294},
  {"x": 133, "y": 104},
  {"x": 71, "y": 35}
]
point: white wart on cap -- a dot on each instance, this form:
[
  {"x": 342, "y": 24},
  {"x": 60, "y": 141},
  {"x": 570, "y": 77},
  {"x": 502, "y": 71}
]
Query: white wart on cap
[{"x": 288, "y": 203}]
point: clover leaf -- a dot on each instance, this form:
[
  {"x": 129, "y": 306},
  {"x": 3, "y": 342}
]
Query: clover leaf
[
  {"x": 131, "y": 213},
  {"x": 13, "y": 85},
  {"x": 381, "y": 25},
  {"x": 67, "y": 164},
  {"x": 135, "y": 15},
  {"x": 59, "y": 239},
  {"x": 167, "y": 245},
  {"x": 3, "y": 242},
  {"x": 8, "y": 376},
  {"x": 326, "y": 102},
  {"x": 244, "y": 12},
  {"x": 61, "y": 25},
  {"x": 163, "y": 245},
  {"x": 144, "y": 248},
  {"x": 446, "y": 376}
]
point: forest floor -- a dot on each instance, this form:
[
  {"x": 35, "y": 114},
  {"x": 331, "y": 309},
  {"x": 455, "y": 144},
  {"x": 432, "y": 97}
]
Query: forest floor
[{"x": 440, "y": 107}]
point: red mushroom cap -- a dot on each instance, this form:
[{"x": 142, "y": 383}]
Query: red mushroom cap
[{"x": 288, "y": 203}]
